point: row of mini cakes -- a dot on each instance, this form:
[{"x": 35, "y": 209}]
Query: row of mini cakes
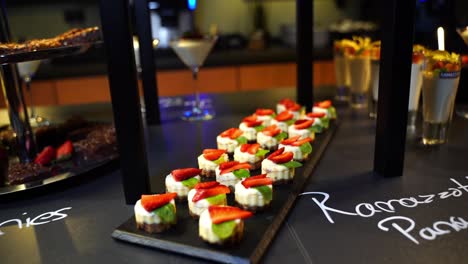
[
  {"x": 299, "y": 111},
  {"x": 218, "y": 224}
]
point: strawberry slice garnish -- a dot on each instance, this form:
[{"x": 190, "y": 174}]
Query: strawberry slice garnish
[
  {"x": 302, "y": 141},
  {"x": 224, "y": 213},
  {"x": 46, "y": 156},
  {"x": 417, "y": 57},
  {"x": 303, "y": 123},
  {"x": 231, "y": 133},
  {"x": 252, "y": 121},
  {"x": 209, "y": 192},
  {"x": 153, "y": 201},
  {"x": 316, "y": 114},
  {"x": 245, "y": 147},
  {"x": 213, "y": 154},
  {"x": 271, "y": 131},
  {"x": 65, "y": 151},
  {"x": 283, "y": 116},
  {"x": 264, "y": 112},
  {"x": 294, "y": 107},
  {"x": 286, "y": 101},
  {"x": 324, "y": 104},
  {"x": 282, "y": 158},
  {"x": 183, "y": 174},
  {"x": 228, "y": 164},
  {"x": 258, "y": 180},
  {"x": 236, "y": 133},
  {"x": 243, "y": 165},
  {"x": 253, "y": 148},
  {"x": 276, "y": 153},
  {"x": 290, "y": 140},
  {"x": 206, "y": 185}
]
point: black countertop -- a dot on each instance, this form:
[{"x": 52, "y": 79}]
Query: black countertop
[
  {"x": 93, "y": 62},
  {"x": 426, "y": 194}
]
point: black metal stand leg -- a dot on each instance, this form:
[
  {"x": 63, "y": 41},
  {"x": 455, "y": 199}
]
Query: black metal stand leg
[
  {"x": 148, "y": 66},
  {"x": 125, "y": 99},
  {"x": 305, "y": 78},
  {"x": 395, "y": 73}
]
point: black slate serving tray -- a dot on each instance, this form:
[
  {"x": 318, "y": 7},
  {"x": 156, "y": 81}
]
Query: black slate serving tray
[{"x": 259, "y": 230}]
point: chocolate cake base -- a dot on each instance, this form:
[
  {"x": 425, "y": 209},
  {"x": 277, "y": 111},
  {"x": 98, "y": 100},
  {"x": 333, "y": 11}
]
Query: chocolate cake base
[
  {"x": 208, "y": 174},
  {"x": 233, "y": 240},
  {"x": 257, "y": 165},
  {"x": 283, "y": 181},
  {"x": 154, "y": 228},
  {"x": 254, "y": 209}
]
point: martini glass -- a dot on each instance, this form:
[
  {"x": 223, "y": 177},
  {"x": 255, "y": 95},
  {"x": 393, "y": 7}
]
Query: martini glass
[
  {"x": 462, "y": 110},
  {"x": 193, "y": 52},
  {"x": 26, "y": 71}
]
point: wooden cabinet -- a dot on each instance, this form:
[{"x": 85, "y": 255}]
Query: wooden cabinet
[
  {"x": 258, "y": 77},
  {"x": 95, "y": 89},
  {"x": 82, "y": 90},
  {"x": 211, "y": 80}
]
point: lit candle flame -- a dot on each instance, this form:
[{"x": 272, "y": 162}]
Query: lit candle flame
[{"x": 440, "y": 38}]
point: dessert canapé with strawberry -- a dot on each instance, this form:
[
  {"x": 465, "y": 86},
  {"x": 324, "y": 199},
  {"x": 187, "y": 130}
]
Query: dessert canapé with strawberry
[
  {"x": 231, "y": 172},
  {"x": 250, "y": 153},
  {"x": 303, "y": 128},
  {"x": 254, "y": 193},
  {"x": 266, "y": 115},
  {"x": 270, "y": 137},
  {"x": 204, "y": 195},
  {"x": 210, "y": 159},
  {"x": 155, "y": 213},
  {"x": 222, "y": 225},
  {"x": 287, "y": 104},
  {"x": 321, "y": 121},
  {"x": 230, "y": 139},
  {"x": 181, "y": 181},
  {"x": 325, "y": 107},
  {"x": 283, "y": 120},
  {"x": 301, "y": 148},
  {"x": 250, "y": 125},
  {"x": 280, "y": 166}
]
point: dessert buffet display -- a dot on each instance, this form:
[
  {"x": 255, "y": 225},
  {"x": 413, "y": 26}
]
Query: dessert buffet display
[
  {"x": 229, "y": 209},
  {"x": 65, "y": 150},
  {"x": 74, "y": 41}
]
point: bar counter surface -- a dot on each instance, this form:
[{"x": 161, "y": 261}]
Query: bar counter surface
[{"x": 345, "y": 215}]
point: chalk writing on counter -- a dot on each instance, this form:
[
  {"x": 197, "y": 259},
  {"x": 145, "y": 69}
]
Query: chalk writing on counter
[
  {"x": 404, "y": 225},
  {"x": 38, "y": 220}
]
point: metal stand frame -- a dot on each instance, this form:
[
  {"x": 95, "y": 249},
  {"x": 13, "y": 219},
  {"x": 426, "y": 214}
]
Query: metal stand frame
[
  {"x": 122, "y": 75},
  {"x": 148, "y": 65},
  {"x": 395, "y": 73},
  {"x": 305, "y": 32}
]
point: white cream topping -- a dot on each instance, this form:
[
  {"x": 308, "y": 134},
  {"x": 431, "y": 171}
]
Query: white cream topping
[
  {"x": 276, "y": 171},
  {"x": 296, "y": 150},
  {"x": 143, "y": 216},
  {"x": 266, "y": 141},
  {"x": 249, "y": 132},
  {"x": 280, "y": 108},
  {"x": 304, "y": 133},
  {"x": 199, "y": 206},
  {"x": 205, "y": 230},
  {"x": 250, "y": 196},
  {"x": 226, "y": 143},
  {"x": 266, "y": 119},
  {"x": 245, "y": 156},
  {"x": 282, "y": 125},
  {"x": 176, "y": 186},
  {"x": 317, "y": 109},
  {"x": 209, "y": 165},
  {"x": 228, "y": 179}
]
